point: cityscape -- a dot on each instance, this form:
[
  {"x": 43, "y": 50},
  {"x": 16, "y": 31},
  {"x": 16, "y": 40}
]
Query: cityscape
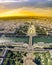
[
  {"x": 28, "y": 43},
  {"x": 25, "y": 32}
]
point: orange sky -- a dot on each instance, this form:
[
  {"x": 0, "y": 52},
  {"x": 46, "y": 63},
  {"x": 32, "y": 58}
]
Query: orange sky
[{"x": 26, "y": 12}]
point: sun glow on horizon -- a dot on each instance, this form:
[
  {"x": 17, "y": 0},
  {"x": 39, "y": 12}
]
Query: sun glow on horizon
[{"x": 26, "y": 12}]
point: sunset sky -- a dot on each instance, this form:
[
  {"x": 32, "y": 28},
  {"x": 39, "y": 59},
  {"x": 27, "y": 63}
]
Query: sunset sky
[{"x": 25, "y": 8}]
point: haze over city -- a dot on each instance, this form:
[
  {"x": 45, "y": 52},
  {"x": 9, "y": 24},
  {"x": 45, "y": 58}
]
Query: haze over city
[{"x": 25, "y": 8}]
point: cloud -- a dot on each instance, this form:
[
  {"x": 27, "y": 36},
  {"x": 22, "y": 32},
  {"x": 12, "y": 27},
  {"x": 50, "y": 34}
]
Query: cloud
[
  {"x": 25, "y": 3},
  {"x": 2, "y": 1},
  {"x": 24, "y": 0},
  {"x": 49, "y": 0}
]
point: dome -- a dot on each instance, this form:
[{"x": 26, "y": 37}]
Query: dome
[{"x": 31, "y": 30}]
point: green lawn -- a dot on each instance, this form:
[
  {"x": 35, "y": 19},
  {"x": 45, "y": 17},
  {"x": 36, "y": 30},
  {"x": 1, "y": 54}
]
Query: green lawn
[
  {"x": 42, "y": 58},
  {"x": 14, "y": 58}
]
